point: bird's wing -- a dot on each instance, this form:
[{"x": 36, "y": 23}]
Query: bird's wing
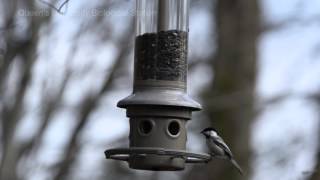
[{"x": 219, "y": 142}]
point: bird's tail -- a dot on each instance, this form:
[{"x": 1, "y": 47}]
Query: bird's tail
[{"x": 235, "y": 164}]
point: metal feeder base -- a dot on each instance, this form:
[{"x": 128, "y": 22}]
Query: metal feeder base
[{"x": 156, "y": 159}]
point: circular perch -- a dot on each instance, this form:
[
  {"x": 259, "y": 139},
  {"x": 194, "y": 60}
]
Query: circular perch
[{"x": 123, "y": 154}]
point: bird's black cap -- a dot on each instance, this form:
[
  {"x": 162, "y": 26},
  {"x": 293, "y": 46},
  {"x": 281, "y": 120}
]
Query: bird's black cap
[{"x": 208, "y": 129}]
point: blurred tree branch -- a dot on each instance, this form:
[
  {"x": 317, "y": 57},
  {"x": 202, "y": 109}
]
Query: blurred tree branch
[
  {"x": 57, "y": 9},
  {"x": 12, "y": 112},
  {"x": 88, "y": 105},
  {"x": 50, "y": 104},
  {"x": 24, "y": 51}
]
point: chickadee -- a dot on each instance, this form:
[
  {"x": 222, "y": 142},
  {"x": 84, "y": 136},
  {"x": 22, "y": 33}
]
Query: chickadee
[{"x": 218, "y": 148}]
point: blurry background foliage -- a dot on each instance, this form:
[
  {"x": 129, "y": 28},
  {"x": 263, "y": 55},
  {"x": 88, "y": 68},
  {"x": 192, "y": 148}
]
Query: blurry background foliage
[{"x": 254, "y": 65}]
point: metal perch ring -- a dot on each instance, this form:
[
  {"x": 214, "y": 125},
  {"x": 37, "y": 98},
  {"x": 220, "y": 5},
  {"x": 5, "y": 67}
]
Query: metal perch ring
[{"x": 123, "y": 154}]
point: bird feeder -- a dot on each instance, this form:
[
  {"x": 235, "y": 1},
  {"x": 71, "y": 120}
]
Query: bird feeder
[{"x": 159, "y": 106}]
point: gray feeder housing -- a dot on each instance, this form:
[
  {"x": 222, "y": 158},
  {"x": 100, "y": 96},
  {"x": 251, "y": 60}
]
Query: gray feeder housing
[
  {"x": 159, "y": 106},
  {"x": 158, "y": 115}
]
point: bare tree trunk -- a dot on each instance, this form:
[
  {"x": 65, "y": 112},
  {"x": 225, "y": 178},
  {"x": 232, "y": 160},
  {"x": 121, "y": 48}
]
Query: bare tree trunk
[
  {"x": 228, "y": 101},
  {"x": 316, "y": 174}
]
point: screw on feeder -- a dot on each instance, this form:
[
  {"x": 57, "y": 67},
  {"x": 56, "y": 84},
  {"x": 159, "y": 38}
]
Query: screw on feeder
[{"x": 159, "y": 107}]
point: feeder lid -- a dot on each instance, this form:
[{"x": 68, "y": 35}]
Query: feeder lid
[{"x": 161, "y": 97}]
